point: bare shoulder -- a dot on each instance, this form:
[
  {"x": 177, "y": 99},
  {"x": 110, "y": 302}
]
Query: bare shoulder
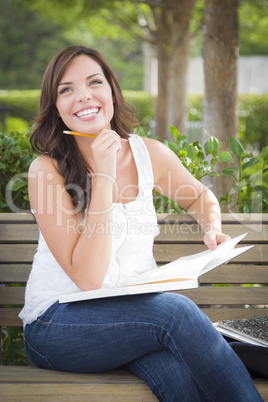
[
  {"x": 154, "y": 145},
  {"x": 42, "y": 162},
  {"x": 46, "y": 165},
  {"x": 157, "y": 150}
]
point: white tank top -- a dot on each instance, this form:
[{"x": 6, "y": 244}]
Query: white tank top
[{"x": 134, "y": 227}]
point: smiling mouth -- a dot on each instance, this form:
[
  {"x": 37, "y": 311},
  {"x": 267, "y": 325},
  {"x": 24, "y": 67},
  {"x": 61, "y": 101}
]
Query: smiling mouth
[{"x": 88, "y": 112}]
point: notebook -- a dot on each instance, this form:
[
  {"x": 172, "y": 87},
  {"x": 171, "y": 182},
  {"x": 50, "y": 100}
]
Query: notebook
[{"x": 251, "y": 330}]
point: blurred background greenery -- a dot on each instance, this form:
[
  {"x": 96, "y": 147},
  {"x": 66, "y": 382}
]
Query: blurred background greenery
[{"x": 33, "y": 31}]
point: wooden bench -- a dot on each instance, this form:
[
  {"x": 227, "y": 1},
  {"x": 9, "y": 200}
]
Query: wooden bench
[{"x": 179, "y": 235}]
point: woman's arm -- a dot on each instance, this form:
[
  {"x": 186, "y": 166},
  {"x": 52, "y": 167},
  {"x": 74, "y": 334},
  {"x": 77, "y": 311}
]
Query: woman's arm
[
  {"x": 83, "y": 252},
  {"x": 174, "y": 181}
]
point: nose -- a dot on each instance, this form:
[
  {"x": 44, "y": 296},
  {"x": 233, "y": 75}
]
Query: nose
[{"x": 84, "y": 94}]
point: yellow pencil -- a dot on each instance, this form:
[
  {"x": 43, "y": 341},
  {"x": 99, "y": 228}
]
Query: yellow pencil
[{"x": 85, "y": 135}]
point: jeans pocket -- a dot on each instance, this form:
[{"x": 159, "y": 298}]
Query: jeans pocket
[
  {"x": 48, "y": 315},
  {"x": 36, "y": 358}
]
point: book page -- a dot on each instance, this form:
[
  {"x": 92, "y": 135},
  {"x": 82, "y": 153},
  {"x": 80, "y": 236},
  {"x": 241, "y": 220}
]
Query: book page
[
  {"x": 192, "y": 266},
  {"x": 223, "y": 258}
]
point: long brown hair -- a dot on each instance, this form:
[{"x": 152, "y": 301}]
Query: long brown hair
[{"x": 48, "y": 133}]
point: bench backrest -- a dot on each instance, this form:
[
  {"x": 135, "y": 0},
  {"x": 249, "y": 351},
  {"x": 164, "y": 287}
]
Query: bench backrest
[{"x": 236, "y": 290}]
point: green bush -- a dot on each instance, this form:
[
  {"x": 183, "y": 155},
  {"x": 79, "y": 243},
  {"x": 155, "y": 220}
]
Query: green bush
[
  {"x": 13, "y": 351},
  {"x": 23, "y": 104},
  {"x": 143, "y": 104},
  {"x": 253, "y": 120},
  {"x": 250, "y": 191},
  {"x": 16, "y": 157},
  {"x": 14, "y": 124},
  {"x": 195, "y": 107}
]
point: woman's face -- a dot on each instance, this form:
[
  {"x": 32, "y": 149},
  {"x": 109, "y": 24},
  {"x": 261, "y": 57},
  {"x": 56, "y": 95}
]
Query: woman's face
[{"x": 84, "y": 97}]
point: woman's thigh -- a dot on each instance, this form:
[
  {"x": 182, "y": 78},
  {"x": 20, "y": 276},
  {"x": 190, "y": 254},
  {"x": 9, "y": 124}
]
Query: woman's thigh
[{"x": 103, "y": 334}]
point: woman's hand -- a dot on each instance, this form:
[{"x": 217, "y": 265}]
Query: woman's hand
[
  {"x": 104, "y": 149},
  {"x": 213, "y": 239}
]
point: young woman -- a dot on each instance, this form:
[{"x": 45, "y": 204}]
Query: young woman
[{"x": 92, "y": 199}]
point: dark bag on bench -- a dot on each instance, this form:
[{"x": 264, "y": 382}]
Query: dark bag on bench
[{"x": 255, "y": 358}]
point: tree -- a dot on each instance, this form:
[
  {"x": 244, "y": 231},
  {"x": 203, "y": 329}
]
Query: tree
[
  {"x": 25, "y": 53},
  {"x": 27, "y": 41},
  {"x": 221, "y": 52},
  {"x": 253, "y": 27},
  {"x": 253, "y": 21},
  {"x": 172, "y": 40},
  {"x": 164, "y": 24}
]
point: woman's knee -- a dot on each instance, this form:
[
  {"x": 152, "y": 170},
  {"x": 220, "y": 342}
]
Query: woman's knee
[
  {"x": 179, "y": 316},
  {"x": 178, "y": 306}
]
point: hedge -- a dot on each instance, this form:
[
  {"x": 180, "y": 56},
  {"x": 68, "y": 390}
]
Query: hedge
[{"x": 24, "y": 104}]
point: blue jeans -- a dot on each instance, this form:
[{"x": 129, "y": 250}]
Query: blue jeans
[{"x": 163, "y": 338}]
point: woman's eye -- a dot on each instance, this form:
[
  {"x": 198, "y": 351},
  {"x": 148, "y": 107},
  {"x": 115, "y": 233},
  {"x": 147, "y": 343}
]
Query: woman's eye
[
  {"x": 64, "y": 90},
  {"x": 96, "y": 82}
]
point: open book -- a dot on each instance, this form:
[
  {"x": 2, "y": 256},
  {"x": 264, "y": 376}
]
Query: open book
[{"x": 182, "y": 273}]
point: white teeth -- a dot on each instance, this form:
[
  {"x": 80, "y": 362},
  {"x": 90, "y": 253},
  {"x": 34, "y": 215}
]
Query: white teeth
[{"x": 87, "y": 112}]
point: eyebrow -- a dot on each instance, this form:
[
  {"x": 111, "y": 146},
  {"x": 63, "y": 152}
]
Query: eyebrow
[{"x": 88, "y": 78}]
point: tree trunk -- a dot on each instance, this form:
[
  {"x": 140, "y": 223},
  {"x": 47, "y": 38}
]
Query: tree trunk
[
  {"x": 163, "y": 56},
  {"x": 180, "y": 39},
  {"x": 220, "y": 71},
  {"x": 172, "y": 23}
]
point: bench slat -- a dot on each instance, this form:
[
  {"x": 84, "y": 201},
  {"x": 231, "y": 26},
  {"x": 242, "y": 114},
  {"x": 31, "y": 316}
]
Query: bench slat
[
  {"x": 23, "y": 253},
  {"x": 15, "y": 218},
  {"x": 234, "y": 218},
  {"x": 231, "y": 273},
  {"x": 113, "y": 386},
  {"x": 30, "y": 383},
  {"x": 69, "y": 392},
  {"x": 30, "y": 374},
  {"x": 169, "y": 252},
  {"x": 9, "y": 317},
  {"x": 14, "y": 273},
  {"x": 217, "y": 314},
  {"x": 19, "y": 233},
  {"x": 12, "y": 295},
  {"x": 186, "y": 233},
  {"x": 227, "y": 295},
  {"x": 202, "y": 295}
]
